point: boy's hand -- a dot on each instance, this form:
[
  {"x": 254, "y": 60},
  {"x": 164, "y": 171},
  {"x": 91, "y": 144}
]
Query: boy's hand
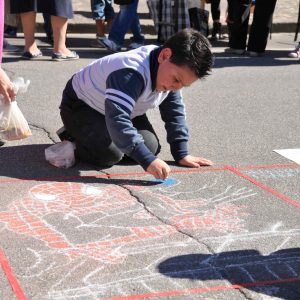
[
  {"x": 195, "y": 162},
  {"x": 159, "y": 169}
]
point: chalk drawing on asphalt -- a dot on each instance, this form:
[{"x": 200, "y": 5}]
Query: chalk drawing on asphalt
[
  {"x": 92, "y": 210},
  {"x": 275, "y": 174},
  {"x": 96, "y": 231}
]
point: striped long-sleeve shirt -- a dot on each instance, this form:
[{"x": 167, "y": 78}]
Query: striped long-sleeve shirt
[{"x": 121, "y": 86}]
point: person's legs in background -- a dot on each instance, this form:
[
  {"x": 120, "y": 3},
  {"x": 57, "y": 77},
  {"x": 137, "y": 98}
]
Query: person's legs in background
[
  {"x": 48, "y": 27},
  {"x": 137, "y": 40},
  {"x": 296, "y": 52},
  {"x": 237, "y": 26},
  {"x": 10, "y": 21},
  {"x": 126, "y": 18},
  {"x": 60, "y": 50},
  {"x": 261, "y": 25},
  {"x": 31, "y": 49},
  {"x": 102, "y": 12},
  {"x": 215, "y": 14}
]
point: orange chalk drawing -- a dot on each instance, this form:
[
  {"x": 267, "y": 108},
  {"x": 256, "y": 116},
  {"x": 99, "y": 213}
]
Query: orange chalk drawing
[{"x": 106, "y": 206}]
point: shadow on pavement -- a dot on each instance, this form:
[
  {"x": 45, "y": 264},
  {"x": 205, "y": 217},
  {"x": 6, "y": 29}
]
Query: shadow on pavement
[
  {"x": 276, "y": 274},
  {"x": 27, "y": 162},
  {"x": 271, "y": 58}
]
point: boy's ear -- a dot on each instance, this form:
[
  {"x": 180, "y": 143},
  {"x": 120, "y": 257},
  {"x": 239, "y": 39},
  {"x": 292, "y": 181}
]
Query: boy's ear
[{"x": 164, "y": 54}]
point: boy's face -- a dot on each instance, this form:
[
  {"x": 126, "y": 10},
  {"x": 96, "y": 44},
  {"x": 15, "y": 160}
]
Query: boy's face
[{"x": 171, "y": 77}]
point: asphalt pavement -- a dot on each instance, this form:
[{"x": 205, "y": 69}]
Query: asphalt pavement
[{"x": 230, "y": 231}]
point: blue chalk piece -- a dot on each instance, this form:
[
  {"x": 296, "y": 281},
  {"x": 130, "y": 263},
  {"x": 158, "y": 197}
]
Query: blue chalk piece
[{"x": 169, "y": 181}]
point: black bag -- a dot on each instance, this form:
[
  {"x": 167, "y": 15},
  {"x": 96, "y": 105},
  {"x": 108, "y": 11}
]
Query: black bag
[
  {"x": 199, "y": 19},
  {"x": 123, "y": 2}
]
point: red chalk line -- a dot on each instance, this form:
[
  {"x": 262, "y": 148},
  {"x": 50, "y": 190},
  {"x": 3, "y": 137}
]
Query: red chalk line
[
  {"x": 204, "y": 289},
  {"x": 275, "y": 193},
  {"x": 108, "y": 176},
  {"x": 11, "y": 277}
]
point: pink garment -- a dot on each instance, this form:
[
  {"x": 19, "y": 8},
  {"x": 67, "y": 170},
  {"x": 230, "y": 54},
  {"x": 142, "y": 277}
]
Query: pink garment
[{"x": 1, "y": 27}]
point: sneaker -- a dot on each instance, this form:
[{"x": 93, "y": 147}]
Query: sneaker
[
  {"x": 7, "y": 47},
  {"x": 2, "y": 142},
  {"x": 135, "y": 45},
  {"x": 56, "y": 56},
  {"x": 64, "y": 135},
  {"x": 10, "y": 32},
  {"x": 295, "y": 53},
  {"x": 96, "y": 42},
  {"x": 110, "y": 45},
  {"x": 234, "y": 51}
]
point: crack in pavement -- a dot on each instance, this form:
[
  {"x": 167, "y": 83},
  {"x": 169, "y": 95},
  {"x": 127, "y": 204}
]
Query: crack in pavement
[{"x": 166, "y": 222}]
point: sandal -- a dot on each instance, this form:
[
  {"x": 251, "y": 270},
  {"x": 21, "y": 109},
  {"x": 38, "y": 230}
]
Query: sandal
[
  {"x": 32, "y": 56},
  {"x": 62, "y": 57}
]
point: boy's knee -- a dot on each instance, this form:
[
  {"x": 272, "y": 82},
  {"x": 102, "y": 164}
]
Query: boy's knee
[
  {"x": 102, "y": 158},
  {"x": 151, "y": 141}
]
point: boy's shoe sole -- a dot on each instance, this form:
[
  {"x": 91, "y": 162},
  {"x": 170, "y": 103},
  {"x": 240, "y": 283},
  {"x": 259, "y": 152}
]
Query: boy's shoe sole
[{"x": 64, "y": 135}]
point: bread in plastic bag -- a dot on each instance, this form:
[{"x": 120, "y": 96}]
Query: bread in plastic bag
[
  {"x": 61, "y": 155},
  {"x": 13, "y": 125}
]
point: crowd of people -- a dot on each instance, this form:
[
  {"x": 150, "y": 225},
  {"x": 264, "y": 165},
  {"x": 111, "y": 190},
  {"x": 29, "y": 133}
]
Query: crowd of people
[
  {"x": 56, "y": 14},
  {"x": 109, "y": 107},
  {"x": 111, "y": 27}
]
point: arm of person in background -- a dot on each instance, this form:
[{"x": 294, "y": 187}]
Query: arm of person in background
[{"x": 6, "y": 86}]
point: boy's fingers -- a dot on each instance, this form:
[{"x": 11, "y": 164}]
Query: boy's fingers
[
  {"x": 194, "y": 164},
  {"x": 205, "y": 162},
  {"x": 165, "y": 174}
]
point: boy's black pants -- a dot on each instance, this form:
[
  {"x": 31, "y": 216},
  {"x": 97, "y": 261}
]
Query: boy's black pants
[{"x": 88, "y": 127}]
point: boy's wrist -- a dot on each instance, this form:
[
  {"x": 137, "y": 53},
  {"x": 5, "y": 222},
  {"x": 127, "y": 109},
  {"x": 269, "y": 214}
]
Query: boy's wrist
[
  {"x": 179, "y": 150},
  {"x": 142, "y": 155}
]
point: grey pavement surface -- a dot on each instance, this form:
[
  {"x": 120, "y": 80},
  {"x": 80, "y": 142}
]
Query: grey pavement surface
[
  {"x": 227, "y": 232},
  {"x": 284, "y": 19}
]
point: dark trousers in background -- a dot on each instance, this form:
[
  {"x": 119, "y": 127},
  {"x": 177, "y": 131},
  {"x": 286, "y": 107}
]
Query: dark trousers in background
[
  {"x": 238, "y": 20},
  {"x": 238, "y": 27},
  {"x": 215, "y": 9},
  {"x": 261, "y": 25},
  {"x": 88, "y": 127}
]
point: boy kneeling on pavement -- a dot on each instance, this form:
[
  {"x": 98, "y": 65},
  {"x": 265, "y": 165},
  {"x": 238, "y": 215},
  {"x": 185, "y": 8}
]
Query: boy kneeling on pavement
[{"x": 104, "y": 105}]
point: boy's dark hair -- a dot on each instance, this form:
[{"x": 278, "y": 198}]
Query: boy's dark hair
[{"x": 191, "y": 48}]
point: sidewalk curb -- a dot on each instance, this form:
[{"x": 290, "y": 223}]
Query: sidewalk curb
[{"x": 149, "y": 28}]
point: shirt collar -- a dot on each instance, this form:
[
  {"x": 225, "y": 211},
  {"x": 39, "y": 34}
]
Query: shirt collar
[{"x": 154, "y": 65}]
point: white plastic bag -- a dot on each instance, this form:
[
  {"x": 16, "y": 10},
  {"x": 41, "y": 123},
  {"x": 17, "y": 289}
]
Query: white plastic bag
[
  {"x": 61, "y": 155},
  {"x": 13, "y": 125},
  {"x": 20, "y": 86}
]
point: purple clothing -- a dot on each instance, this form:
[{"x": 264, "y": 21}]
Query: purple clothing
[{"x": 1, "y": 27}]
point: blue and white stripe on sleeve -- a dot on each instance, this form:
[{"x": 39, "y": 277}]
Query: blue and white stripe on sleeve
[
  {"x": 120, "y": 98},
  {"x": 124, "y": 87}
]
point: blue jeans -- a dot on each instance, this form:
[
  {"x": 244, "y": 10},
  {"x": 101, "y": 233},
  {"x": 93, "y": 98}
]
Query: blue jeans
[
  {"x": 126, "y": 19},
  {"x": 102, "y": 9}
]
